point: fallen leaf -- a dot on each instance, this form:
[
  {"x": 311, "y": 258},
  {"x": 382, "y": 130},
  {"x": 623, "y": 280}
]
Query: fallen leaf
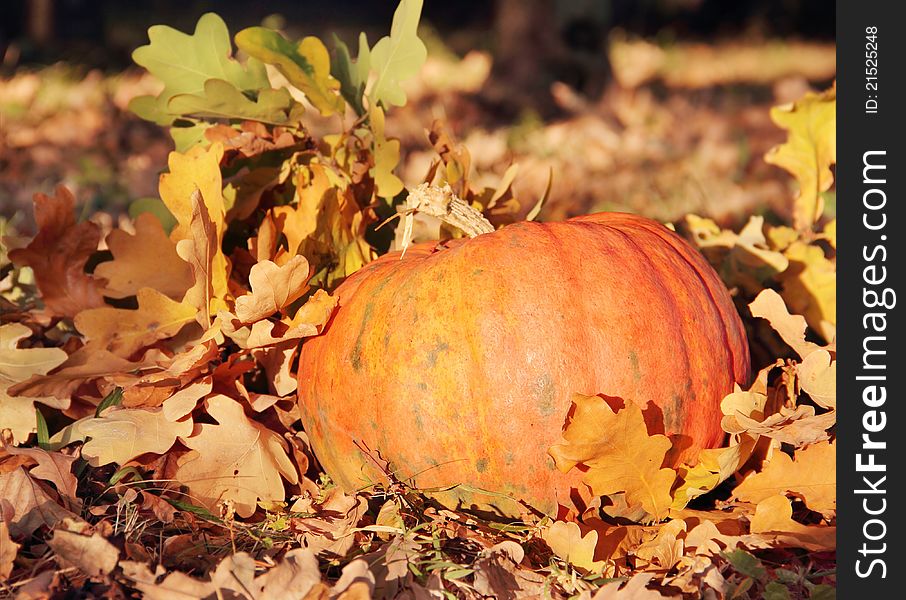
[
  {"x": 32, "y": 506},
  {"x": 146, "y": 259},
  {"x": 633, "y": 589},
  {"x": 58, "y": 255},
  {"x": 53, "y": 467},
  {"x": 774, "y": 517},
  {"x": 619, "y": 454},
  {"x": 92, "y": 555},
  {"x": 326, "y": 525},
  {"x": 238, "y": 460},
  {"x": 810, "y": 475},
  {"x": 17, "y": 413},
  {"x": 273, "y": 288},
  {"x": 8, "y": 551},
  {"x": 566, "y": 541},
  {"x": 120, "y": 435},
  {"x": 769, "y": 305},
  {"x": 123, "y": 331},
  {"x": 818, "y": 378},
  {"x": 810, "y": 287},
  {"x": 183, "y": 402}
]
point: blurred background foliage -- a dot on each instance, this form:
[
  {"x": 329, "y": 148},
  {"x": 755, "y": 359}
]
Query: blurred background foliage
[{"x": 658, "y": 106}]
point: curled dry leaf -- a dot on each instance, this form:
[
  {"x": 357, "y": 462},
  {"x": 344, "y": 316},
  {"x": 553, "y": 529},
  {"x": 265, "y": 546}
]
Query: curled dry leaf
[
  {"x": 237, "y": 460},
  {"x": 53, "y": 467},
  {"x": 619, "y": 454},
  {"x": 273, "y": 288},
  {"x": 33, "y": 507},
  {"x": 818, "y": 378},
  {"x": 633, "y": 589},
  {"x": 58, "y": 255},
  {"x": 811, "y": 475},
  {"x": 183, "y": 402},
  {"x": 769, "y": 305},
  {"x": 330, "y": 528}
]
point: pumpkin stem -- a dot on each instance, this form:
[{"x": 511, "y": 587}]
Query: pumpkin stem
[{"x": 442, "y": 203}]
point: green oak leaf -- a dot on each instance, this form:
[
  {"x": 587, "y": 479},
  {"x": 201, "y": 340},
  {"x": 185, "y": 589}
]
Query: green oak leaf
[
  {"x": 352, "y": 75},
  {"x": 305, "y": 64},
  {"x": 185, "y": 62},
  {"x": 397, "y": 57},
  {"x": 221, "y": 99}
]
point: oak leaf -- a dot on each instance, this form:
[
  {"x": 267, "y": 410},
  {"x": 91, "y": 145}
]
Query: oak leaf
[
  {"x": 774, "y": 518},
  {"x": 147, "y": 259},
  {"x": 273, "y": 288},
  {"x": 566, "y": 540},
  {"x": 810, "y": 287},
  {"x": 818, "y": 378},
  {"x": 809, "y": 152},
  {"x": 397, "y": 57},
  {"x": 17, "y": 413},
  {"x": 811, "y": 475},
  {"x": 237, "y": 460},
  {"x": 8, "y": 551},
  {"x": 123, "y": 331},
  {"x": 58, "y": 255},
  {"x": 619, "y": 454},
  {"x": 32, "y": 506},
  {"x": 92, "y": 554},
  {"x": 118, "y": 436},
  {"x": 53, "y": 467},
  {"x": 769, "y": 305}
]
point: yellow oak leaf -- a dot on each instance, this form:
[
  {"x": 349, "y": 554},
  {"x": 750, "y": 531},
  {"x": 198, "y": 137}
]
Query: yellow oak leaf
[
  {"x": 147, "y": 259},
  {"x": 774, "y": 517},
  {"x": 197, "y": 169},
  {"x": 810, "y": 475},
  {"x": 210, "y": 268},
  {"x": 118, "y": 436},
  {"x": 566, "y": 540},
  {"x": 619, "y": 454},
  {"x": 125, "y": 331},
  {"x": 714, "y": 466},
  {"x": 386, "y": 158},
  {"x": 810, "y": 287},
  {"x": 58, "y": 255},
  {"x": 273, "y": 288},
  {"x": 809, "y": 152},
  {"x": 17, "y": 413},
  {"x": 238, "y": 460},
  {"x": 309, "y": 320}
]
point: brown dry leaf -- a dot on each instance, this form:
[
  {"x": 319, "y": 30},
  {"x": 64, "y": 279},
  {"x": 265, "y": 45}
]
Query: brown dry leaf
[
  {"x": 566, "y": 541},
  {"x": 356, "y": 582},
  {"x": 210, "y": 268},
  {"x": 634, "y": 589},
  {"x": 17, "y": 413},
  {"x": 774, "y": 518},
  {"x": 53, "y": 467},
  {"x": 295, "y": 576},
  {"x": 8, "y": 551},
  {"x": 85, "y": 364},
  {"x": 619, "y": 454},
  {"x": 498, "y": 575},
  {"x": 58, "y": 255},
  {"x": 666, "y": 549},
  {"x": 810, "y": 475},
  {"x": 809, "y": 151},
  {"x": 769, "y": 305},
  {"x": 277, "y": 361},
  {"x": 237, "y": 460},
  {"x": 120, "y": 435},
  {"x": 308, "y": 321},
  {"x": 273, "y": 288},
  {"x": 797, "y": 426},
  {"x": 175, "y": 586},
  {"x": 33, "y": 507},
  {"x": 330, "y": 530},
  {"x": 92, "y": 555},
  {"x": 147, "y": 259},
  {"x": 123, "y": 332}
]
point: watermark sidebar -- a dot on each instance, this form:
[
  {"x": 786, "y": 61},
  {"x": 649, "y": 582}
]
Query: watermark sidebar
[{"x": 871, "y": 269}]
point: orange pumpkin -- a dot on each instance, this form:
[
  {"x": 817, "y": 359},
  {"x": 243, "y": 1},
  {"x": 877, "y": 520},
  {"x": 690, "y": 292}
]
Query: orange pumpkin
[{"x": 457, "y": 364}]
